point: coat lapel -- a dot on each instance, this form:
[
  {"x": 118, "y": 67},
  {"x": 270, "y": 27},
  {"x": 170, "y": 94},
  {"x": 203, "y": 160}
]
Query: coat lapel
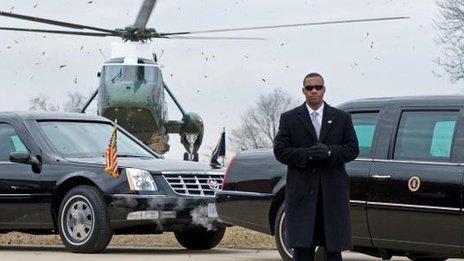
[
  {"x": 327, "y": 120},
  {"x": 305, "y": 119}
]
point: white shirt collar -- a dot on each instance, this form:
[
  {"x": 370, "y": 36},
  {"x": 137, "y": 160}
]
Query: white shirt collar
[{"x": 320, "y": 110}]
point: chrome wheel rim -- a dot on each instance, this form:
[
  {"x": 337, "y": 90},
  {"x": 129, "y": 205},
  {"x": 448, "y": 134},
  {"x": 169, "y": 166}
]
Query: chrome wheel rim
[
  {"x": 79, "y": 220},
  {"x": 282, "y": 233}
]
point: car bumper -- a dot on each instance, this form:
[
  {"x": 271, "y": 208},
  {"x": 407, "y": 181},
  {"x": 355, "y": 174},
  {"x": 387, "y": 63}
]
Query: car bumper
[
  {"x": 246, "y": 209},
  {"x": 140, "y": 214}
]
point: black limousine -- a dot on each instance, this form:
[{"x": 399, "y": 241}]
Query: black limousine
[
  {"x": 52, "y": 180},
  {"x": 406, "y": 185}
]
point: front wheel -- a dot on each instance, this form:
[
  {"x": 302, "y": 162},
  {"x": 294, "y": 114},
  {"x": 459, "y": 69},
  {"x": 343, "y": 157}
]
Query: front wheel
[
  {"x": 280, "y": 232},
  {"x": 84, "y": 224},
  {"x": 200, "y": 238}
]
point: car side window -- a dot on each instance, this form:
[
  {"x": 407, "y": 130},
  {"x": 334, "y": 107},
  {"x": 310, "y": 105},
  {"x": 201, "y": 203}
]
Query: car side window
[
  {"x": 364, "y": 124},
  {"x": 425, "y": 136},
  {"x": 9, "y": 142}
]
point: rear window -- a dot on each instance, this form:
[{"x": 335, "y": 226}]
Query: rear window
[{"x": 425, "y": 136}]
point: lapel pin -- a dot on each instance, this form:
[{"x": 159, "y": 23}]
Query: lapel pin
[{"x": 329, "y": 122}]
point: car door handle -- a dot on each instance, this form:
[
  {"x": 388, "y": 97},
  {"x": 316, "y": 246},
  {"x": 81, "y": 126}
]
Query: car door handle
[{"x": 381, "y": 176}]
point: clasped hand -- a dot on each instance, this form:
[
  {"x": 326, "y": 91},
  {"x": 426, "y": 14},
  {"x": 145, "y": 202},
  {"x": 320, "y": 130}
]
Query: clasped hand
[{"x": 319, "y": 151}]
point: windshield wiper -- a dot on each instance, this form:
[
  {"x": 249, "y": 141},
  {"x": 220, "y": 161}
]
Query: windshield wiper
[
  {"x": 129, "y": 156},
  {"x": 116, "y": 77}
]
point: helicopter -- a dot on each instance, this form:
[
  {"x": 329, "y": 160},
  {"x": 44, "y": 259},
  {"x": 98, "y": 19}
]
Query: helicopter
[{"x": 132, "y": 90}]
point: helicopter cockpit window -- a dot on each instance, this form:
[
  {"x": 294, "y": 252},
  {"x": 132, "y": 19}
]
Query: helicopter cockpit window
[
  {"x": 151, "y": 74},
  {"x": 123, "y": 73}
]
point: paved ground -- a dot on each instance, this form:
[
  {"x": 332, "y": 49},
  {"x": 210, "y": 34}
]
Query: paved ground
[{"x": 172, "y": 254}]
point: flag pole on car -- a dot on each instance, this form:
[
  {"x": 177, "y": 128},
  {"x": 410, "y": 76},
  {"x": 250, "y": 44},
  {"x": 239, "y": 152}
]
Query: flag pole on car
[{"x": 111, "y": 154}]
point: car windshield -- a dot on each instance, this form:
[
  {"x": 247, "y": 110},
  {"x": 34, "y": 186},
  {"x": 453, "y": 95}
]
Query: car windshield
[
  {"x": 118, "y": 73},
  {"x": 89, "y": 139}
]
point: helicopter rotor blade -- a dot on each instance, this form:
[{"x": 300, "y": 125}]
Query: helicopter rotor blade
[
  {"x": 214, "y": 38},
  {"x": 55, "y": 31},
  {"x": 55, "y": 22},
  {"x": 285, "y": 25},
  {"x": 144, "y": 14}
]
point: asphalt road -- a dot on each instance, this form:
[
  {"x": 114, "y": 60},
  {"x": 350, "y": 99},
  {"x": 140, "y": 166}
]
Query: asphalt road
[{"x": 172, "y": 254}]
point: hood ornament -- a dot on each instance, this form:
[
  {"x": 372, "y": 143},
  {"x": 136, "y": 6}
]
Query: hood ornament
[{"x": 213, "y": 184}]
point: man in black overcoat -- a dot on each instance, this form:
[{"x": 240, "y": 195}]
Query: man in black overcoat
[{"x": 315, "y": 141}]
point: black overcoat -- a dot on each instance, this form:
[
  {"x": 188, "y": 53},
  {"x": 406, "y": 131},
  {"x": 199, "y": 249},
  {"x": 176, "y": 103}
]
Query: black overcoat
[{"x": 296, "y": 134}]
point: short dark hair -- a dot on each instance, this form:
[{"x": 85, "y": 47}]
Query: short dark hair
[{"x": 314, "y": 74}]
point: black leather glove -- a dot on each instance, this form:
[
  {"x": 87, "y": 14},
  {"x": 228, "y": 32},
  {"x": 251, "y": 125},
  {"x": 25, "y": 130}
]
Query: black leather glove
[{"x": 319, "y": 151}]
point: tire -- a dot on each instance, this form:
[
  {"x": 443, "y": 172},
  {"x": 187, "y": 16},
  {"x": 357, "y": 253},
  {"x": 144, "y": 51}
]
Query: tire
[
  {"x": 83, "y": 221},
  {"x": 280, "y": 238},
  {"x": 200, "y": 238}
]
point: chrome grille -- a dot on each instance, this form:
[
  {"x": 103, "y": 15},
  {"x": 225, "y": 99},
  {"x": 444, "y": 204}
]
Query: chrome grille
[{"x": 194, "y": 184}]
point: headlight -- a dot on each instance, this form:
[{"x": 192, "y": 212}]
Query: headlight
[{"x": 140, "y": 180}]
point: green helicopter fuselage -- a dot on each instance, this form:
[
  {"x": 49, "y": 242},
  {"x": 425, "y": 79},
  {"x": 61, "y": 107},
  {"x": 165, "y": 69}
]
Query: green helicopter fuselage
[{"x": 131, "y": 92}]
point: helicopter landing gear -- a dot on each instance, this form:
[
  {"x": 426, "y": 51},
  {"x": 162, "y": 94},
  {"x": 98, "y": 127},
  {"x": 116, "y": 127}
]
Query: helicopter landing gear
[
  {"x": 191, "y": 138},
  {"x": 189, "y": 157}
]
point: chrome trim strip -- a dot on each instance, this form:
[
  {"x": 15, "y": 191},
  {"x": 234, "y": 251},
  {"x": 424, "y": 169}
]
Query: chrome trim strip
[
  {"x": 358, "y": 201},
  {"x": 244, "y": 193},
  {"x": 192, "y": 172},
  {"x": 434, "y": 244},
  {"x": 193, "y": 195},
  {"x": 420, "y": 162},
  {"x": 364, "y": 159},
  {"x": 15, "y": 195},
  {"x": 135, "y": 196},
  {"x": 381, "y": 176},
  {"x": 372, "y": 203}
]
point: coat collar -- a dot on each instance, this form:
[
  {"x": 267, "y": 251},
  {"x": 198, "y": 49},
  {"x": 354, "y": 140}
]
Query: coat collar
[{"x": 327, "y": 119}]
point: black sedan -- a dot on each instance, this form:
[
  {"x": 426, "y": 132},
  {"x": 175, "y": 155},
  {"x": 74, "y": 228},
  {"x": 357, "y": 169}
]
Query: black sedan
[
  {"x": 52, "y": 180},
  {"x": 406, "y": 185}
]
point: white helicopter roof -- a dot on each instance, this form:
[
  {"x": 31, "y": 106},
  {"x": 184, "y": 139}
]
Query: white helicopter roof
[{"x": 132, "y": 53}]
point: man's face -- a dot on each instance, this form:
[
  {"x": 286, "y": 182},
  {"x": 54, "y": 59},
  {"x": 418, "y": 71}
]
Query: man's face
[{"x": 314, "y": 96}]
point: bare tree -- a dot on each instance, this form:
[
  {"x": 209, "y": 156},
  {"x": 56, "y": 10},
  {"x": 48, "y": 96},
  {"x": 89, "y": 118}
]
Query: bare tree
[
  {"x": 76, "y": 101},
  {"x": 451, "y": 37},
  {"x": 259, "y": 125},
  {"x": 41, "y": 103}
]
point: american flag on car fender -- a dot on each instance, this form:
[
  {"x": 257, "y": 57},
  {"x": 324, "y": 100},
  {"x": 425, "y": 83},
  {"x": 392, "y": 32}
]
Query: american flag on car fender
[{"x": 111, "y": 155}]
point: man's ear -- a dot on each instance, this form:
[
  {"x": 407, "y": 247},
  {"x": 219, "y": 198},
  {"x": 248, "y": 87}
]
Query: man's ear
[{"x": 303, "y": 90}]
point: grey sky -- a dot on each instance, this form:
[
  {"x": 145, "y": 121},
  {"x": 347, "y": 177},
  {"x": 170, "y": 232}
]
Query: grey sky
[{"x": 221, "y": 79}]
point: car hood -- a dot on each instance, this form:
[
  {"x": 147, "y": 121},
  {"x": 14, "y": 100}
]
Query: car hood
[{"x": 152, "y": 165}]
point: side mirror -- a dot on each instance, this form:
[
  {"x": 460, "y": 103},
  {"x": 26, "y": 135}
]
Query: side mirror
[
  {"x": 25, "y": 157},
  {"x": 20, "y": 157},
  {"x": 99, "y": 74}
]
